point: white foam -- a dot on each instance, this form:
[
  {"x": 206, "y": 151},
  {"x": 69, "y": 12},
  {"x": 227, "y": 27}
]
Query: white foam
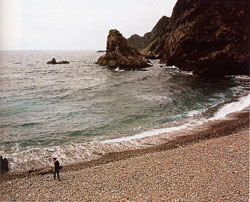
[
  {"x": 147, "y": 134},
  {"x": 69, "y": 154},
  {"x": 187, "y": 72},
  {"x": 194, "y": 112},
  {"x": 172, "y": 67},
  {"x": 119, "y": 70},
  {"x": 243, "y": 103},
  {"x": 221, "y": 114}
]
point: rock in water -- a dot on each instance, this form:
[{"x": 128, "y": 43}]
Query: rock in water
[
  {"x": 63, "y": 62},
  {"x": 53, "y": 62},
  {"x": 119, "y": 53},
  {"x": 4, "y": 167}
]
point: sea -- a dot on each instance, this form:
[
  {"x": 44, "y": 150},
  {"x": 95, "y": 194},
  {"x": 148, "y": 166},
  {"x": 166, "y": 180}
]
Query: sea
[{"x": 79, "y": 111}]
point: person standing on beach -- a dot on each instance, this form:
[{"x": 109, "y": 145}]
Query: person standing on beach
[{"x": 57, "y": 168}]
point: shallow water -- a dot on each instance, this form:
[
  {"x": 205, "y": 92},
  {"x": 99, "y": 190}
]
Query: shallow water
[{"x": 43, "y": 106}]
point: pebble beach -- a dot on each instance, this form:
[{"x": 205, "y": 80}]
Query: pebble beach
[{"x": 213, "y": 167}]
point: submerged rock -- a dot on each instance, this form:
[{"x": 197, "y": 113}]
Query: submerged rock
[
  {"x": 63, "y": 62},
  {"x": 101, "y": 51},
  {"x": 119, "y": 53},
  {"x": 53, "y": 62},
  {"x": 4, "y": 165}
]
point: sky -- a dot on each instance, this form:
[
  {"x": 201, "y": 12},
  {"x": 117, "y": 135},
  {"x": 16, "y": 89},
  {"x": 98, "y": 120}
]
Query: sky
[{"x": 75, "y": 24}]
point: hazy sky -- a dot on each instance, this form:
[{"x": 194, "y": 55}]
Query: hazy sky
[{"x": 74, "y": 24}]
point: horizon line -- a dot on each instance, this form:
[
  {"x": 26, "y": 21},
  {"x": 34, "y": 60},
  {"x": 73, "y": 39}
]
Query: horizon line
[{"x": 51, "y": 49}]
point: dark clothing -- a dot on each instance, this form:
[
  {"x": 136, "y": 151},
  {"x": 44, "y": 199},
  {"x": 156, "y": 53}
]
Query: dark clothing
[
  {"x": 56, "y": 172},
  {"x": 57, "y": 165},
  {"x": 4, "y": 165}
]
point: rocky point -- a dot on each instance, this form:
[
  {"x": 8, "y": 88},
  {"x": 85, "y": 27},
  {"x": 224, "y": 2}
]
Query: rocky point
[
  {"x": 209, "y": 38},
  {"x": 120, "y": 54}
]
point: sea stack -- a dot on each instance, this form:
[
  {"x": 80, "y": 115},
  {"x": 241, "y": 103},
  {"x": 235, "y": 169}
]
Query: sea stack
[{"x": 119, "y": 53}]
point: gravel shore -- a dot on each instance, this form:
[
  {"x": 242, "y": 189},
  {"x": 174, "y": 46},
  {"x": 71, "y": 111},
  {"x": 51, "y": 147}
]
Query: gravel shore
[{"x": 213, "y": 169}]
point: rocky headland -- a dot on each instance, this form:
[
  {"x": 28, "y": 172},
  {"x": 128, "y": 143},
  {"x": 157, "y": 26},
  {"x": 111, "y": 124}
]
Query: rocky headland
[
  {"x": 149, "y": 39},
  {"x": 120, "y": 54},
  {"x": 209, "y": 38}
]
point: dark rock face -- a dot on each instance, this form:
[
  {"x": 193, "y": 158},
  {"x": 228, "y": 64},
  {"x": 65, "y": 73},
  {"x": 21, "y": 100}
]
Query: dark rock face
[
  {"x": 139, "y": 42},
  {"x": 63, "y": 62},
  {"x": 119, "y": 53},
  {"x": 4, "y": 165},
  {"x": 53, "y": 62},
  {"x": 210, "y": 38},
  {"x": 150, "y": 41}
]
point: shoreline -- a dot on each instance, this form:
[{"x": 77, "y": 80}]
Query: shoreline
[
  {"x": 214, "y": 167},
  {"x": 32, "y": 150},
  {"x": 233, "y": 123}
]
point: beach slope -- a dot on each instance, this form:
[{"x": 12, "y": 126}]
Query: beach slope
[{"x": 215, "y": 168}]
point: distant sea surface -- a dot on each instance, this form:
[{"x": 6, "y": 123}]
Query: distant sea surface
[{"x": 46, "y": 106}]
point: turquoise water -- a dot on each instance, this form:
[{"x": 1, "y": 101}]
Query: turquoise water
[{"x": 52, "y": 105}]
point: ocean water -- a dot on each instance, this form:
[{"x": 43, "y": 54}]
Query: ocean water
[{"x": 70, "y": 110}]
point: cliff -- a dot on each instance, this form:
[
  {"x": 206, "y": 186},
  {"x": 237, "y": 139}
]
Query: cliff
[
  {"x": 142, "y": 42},
  {"x": 210, "y": 38},
  {"x": 119, "y": 53}
]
